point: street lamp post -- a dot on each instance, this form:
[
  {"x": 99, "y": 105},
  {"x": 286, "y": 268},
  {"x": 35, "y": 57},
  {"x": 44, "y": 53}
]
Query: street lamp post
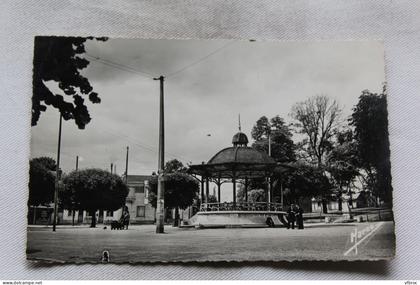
[
  {"x": 160, "y": 205},
  {"x": 270, "y": 185},
  {"x": 269, "y": 153}
]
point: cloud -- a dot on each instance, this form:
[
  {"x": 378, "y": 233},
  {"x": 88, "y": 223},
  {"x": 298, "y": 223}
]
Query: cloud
[{"x": 250, "y": 78}]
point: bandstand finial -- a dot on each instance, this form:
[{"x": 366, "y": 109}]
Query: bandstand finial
[{"x": 239, "y": 122}]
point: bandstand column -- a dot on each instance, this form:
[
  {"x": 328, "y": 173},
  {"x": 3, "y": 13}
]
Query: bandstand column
[
  {"x": 267, "y": 194},
  {"x": 234, "y": 188},
  {"x": 218, "y": 189},
  {"x": 246, "y": 189},
  {"x": 207, "y": 189},
  {"x": 270, "y": 190},
  {"x": 202, "y": 189}
]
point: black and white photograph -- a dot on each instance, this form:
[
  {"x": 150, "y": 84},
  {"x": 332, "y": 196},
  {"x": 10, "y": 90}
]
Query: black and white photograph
[{"x": 148, "y": 150}]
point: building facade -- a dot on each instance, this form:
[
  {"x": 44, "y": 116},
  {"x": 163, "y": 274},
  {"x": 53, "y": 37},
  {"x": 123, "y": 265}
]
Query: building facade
[{"x": 141, "y": 211}]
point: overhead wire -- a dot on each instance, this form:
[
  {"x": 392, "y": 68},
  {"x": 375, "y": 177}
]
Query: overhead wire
[
  {"x": 119, "y": 66},
  {"x": 148, "y": 75},
  {"x": 199, "y": 60},
  {"x": 141, "y": 145}
]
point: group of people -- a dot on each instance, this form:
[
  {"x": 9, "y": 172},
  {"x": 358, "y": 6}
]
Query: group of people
[{"x": 295, "y": 215}]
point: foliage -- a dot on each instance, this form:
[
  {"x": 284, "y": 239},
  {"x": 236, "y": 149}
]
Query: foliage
[
  {"x": 173, "y": 166},
  {"x": 254, "y": 195},
  {"x": 306, "y": 181},
  {"x": 317, "y": 118},
  {"x": 343, "y": 160},
  {"x": 370, "y": 121},
  {"x": 282, "y": 146},
  {"x": 342, "y": 163},
  {"x": 41, "y": 180},
  {"x": 212, "y": 199},
  {"x": 180, "y": 190},
  {"x": 92, "y": 190},
  {"x": 58, "y": 59}
]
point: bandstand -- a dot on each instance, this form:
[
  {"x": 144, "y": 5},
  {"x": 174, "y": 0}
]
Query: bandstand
[{"x": 237, "y": 164}]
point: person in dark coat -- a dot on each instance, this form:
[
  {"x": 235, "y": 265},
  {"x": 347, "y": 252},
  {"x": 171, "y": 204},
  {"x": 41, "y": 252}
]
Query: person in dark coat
[
  {"x": 299, "y": 217},
  {"x": 291, "y": 218},
  {"x": 125, "y": 218}
]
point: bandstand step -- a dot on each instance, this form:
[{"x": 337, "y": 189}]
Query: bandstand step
[{"x": 236, "y": 219}]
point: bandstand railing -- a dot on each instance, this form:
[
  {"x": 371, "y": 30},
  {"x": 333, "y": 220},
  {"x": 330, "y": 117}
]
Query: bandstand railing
[{"x": 243, "y": 206}]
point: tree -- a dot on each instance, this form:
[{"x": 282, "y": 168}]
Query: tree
[
  {"x": 254, "y": 194},
  {"x": 180, "y": 191},
  {"x": 92, "y": 190},
  {"x": 58, "y": 59},
  {"x": 306, "y": 181},
  {"x": 41, "y": 180},
  {"x": 261, "y": 128},
  {"x": 212, "y": 199},
  {"x": 282, "y": 146},
  {"x": 174, "y": 165},
  {"x": 342, "y": 163},
  {"x": 370, "y": 121},
  {"x": 180, "y": 188},
  {"x": 317, "y": 118}
]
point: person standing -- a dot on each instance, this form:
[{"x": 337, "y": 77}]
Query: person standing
[
  {"x": 291, "y": 218},
  {"x": 299, "y": 217},
  {"x": 125, "y": 217}
]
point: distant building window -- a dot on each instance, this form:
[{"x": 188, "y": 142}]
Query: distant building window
[
  {"x": 69, "y": 213},
  {"x": 139, "y": 189},
  {"x": 141, "y": 211},
  {"x": 109, "y": 213}
]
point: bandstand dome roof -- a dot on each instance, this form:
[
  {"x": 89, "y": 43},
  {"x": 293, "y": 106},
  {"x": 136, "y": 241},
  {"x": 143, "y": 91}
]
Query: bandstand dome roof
[
  {"x": 237, "y": 161},
  {"x": 241, "y": 155}
]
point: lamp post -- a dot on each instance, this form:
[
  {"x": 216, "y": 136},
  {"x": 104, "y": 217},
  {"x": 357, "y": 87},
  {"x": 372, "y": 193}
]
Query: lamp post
[{"x": 270, "y": 185}]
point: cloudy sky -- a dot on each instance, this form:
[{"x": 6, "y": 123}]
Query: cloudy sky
[{"x": 208, "y": 84}]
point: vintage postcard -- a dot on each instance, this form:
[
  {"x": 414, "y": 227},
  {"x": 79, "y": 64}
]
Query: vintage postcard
[{"x": 208, "y": 150}]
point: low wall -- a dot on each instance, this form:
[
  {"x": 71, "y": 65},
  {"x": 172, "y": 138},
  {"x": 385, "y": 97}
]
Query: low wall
[{"x": 236, "y": 219}]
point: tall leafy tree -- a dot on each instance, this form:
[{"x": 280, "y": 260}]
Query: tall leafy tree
[
  {"x": 92, "y": 190},
  {"x": 342, "y": 163},
  {"x": 41, "y": 180},
  {"x": 370, "y": 121},
  {"x": 317, "y": 118},
  {"x": 59, "y": 59},
  {"x": 282, "y": 146}
]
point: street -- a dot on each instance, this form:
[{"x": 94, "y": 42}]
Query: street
[{"x": 141, "y": 244}]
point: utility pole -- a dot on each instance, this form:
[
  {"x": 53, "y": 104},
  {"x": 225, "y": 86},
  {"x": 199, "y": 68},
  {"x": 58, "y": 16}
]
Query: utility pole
[
  {"x": 74, "y": 210},
  {"x": 269, "y": 178},
  {"x": 112, "y": 166},
  {"x": 57, "y": 174},
  {"x": 160, "y": 207},
  {"x": 126, "y": 167}
]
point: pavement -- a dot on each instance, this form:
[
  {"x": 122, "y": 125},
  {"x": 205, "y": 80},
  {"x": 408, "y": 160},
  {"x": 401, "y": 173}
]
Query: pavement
[{"x": 140, "y": 243}]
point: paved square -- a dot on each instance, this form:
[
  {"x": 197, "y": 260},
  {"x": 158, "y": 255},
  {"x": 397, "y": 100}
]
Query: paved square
[{"x": 141, "y": 244}]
